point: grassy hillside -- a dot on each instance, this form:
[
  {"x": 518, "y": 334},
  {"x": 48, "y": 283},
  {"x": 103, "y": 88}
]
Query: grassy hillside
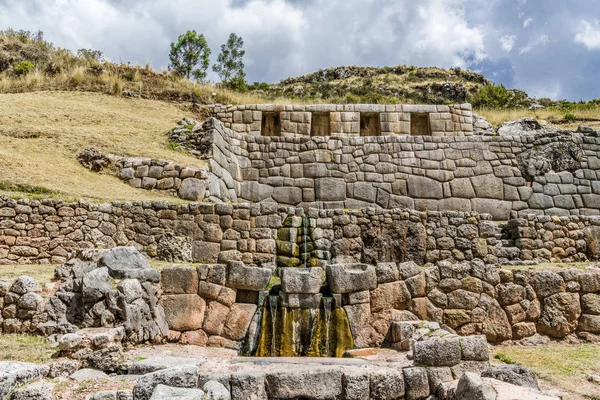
[{"x": 41, "y": 134}]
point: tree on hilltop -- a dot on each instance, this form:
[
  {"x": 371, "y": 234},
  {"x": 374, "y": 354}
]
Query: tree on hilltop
[
  {"x": 230, "y": 63},
  {"x": 189, "y": 57}
]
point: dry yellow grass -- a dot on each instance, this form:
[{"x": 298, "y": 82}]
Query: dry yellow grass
[
  {"x": 26, "y": 348},
  {"x": 41, "y": 134},
  {"x": 498, "y": 116},
  {"x": 562, "y": 366},
  {"x": 43, "y": 273}
]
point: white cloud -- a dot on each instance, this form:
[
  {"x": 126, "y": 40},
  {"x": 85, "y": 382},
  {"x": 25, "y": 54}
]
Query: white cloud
[
  {"x": 539, "y": 41},
  {"x": 507, "y": 42},
  {"x": 527, "y": 22},
  {"x": 589, "y": 35}
]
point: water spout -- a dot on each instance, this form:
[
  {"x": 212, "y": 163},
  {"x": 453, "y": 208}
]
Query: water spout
[
  {"x": 273, "y": 302},
  {"x": 327, "y": 302}
]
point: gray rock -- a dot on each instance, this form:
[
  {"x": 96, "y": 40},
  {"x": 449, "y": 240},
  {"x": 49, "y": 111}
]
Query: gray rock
[
  {"x": 547, "y": 283},
  {"x": 131, "y": 289},
  {"x": 63, "y": 367},
  {"x": 41, "y": 390},
  {"x": 123, "y": 262},
  {"x": 356, "y": 385},
  {"x": 87, "y": 374},
  {"x": 192, "y": 189},
  {"x": 301, "y": 280},
  {"x": 471, "y": 387},
  {"x": 524, "y": 126},
  {"x": 330, "y": 189},
  {"x": 96, "y": 284},
  {"x": 424, "y": 188},
  {"x": 513, "y": 374},
  {"x": 349, "y": 278},
  {"x": 69, "y": 341},
  {"x": 474, "y": 348},
  {"x": 152, "y": 364},
  {"x": 166, "y": 392},
  {"x": 216, "y": 391},
  {"x": 417, "y": 383},
  {"x": 482, "y": 126},
  {"x": 239, "y": 276},
  {"x": 560, "y": 314},
  {"x": 408, "y": 269},
  {"x": 104, "y": 395},
  {"x": 387, "y": 272},
  {"x": 181, "y": 377},
  {"x": 437, "y": 352},
  {"x": 25, "y": 284},
  {"x": 387, "y": 384},
  {"x": 248, "y": 386},
  {"x": 30, "y": 301},
  {"x": 314, "y": 383}
]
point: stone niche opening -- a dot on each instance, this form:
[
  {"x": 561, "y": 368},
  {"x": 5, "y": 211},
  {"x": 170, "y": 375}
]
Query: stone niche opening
[
  {"x": 370, "y": 124},
  {"x": 271, "y": 124},
  {"x": 419, "y": 124},
  {"x": 320, "y": 124}
]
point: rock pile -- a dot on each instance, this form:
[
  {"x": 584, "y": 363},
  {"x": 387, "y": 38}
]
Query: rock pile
[
  {"x": 22, "y": 307},
  {"x": 108, "y": 289}
]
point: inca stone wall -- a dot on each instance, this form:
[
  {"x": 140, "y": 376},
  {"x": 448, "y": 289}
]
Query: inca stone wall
[
  {"x": 51, "y": 230},
  {"x": 345, "y": 120},
  {"x": 554, "y": 174}
]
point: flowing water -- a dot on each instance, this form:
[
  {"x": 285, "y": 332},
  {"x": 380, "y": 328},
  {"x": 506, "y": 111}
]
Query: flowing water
[
  {"x": 296, "y": 332},
  {"x": 273, "y": 302},
  {"x": 327, "y": 302}
]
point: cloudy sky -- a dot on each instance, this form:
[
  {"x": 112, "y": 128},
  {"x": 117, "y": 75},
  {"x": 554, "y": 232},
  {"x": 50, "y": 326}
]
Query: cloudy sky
[{"x": 549, "y": 48}]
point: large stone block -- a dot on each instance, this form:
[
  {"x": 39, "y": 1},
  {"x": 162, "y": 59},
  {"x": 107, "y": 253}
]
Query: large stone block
[
  {"x": 437, "y": 352},
  {"x": 560, "y": 314},
  {"x": 287, "y": 195},
  {"x": 179, "y": 280},
  {"x": 313, "y": 383},
  {"x": 301, "y": 280},
  {"x": 424, "y": 188},
  {"x": 239, "y": 276},
  {"x": 488, "y": 186},
  {"x": 387, "y": 384},
  {"x": 205, "y": 252},
  {"x": 348, "y": 278},
  {"x": 330, "y": 189},
  {"x": 184, "y": 312},
  {"x": 238, "y": 320}
]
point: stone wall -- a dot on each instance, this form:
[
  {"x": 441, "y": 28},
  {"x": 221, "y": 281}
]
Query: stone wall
[
  {"x": 345, "y": 120},
  {"x": 261, "y": 234},
  {"x": 491, "y": 174}
]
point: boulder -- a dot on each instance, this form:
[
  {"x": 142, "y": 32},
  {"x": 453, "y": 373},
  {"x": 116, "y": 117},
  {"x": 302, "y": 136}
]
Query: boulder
[
  {"x": 96, "y": 284},
  {"x": 301, "y": 280},
  {"x": 184, "y": 312},
  {"x": 248, "y": 386},
  {"x": 349, "y": 278},
  {"x": 123, "y": 262},
  {"x": 387, "y": 272},
  {"x": 471, "y": 387},
  {"x": 179, "y": 280},
  {"x": 356, "y": 385},
  {"x": 41, "y": 390},
  {"x": 560, "y": 314},
  {"x": 239, "y": 276},
  {"x": 514, "y": 374},
  {"x": 474, "y": 348},
  {"x": 192, "y": 189},
  {"x": 167, "y": 392},
  {"x": 387, "y": 384},
  {"x": 437, "y": 352},
  {"x": 417, "y": 383},
  {"x": 88, "y": 374},
  {"x": 216, "y": 391},
  {"x": 181, "y": 377},
  {"x": 547, "y": 283},
  {"x": 25, "y": 284},
  {"x": 157, "y": 363}
]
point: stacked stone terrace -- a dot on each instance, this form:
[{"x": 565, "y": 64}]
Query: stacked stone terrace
[{"x": 347, "y": 119}]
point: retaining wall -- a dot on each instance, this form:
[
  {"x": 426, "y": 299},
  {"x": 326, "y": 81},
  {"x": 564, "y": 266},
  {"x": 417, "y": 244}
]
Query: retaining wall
[{"x": 49, "y": 230}]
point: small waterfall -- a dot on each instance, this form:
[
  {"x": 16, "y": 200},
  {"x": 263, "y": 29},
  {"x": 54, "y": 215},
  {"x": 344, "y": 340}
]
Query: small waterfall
[
  {"x": 327, "y": 303},
  {"x": 273, "y": 302}
]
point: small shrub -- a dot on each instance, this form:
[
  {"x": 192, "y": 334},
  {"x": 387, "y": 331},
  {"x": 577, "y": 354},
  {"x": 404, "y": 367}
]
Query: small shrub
[
  {"x": 570, "y": 117},
  {"x": 504, "y": 358},
  {"x": 129, "y": 76},
  {"x": 23, "y": 68},
  {"x": 498, "y": 96}
]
